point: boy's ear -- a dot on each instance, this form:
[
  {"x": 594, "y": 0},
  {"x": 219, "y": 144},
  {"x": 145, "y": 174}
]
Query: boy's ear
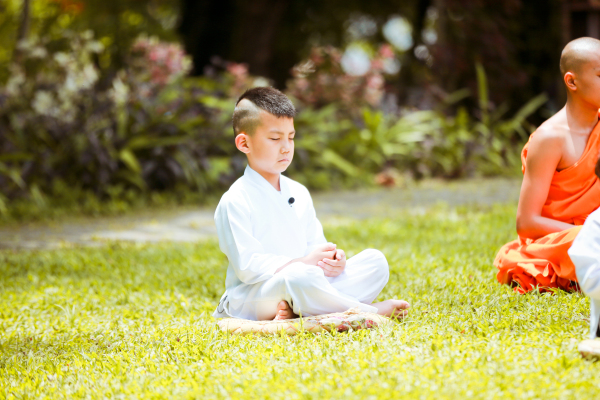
[
  {"x": 242, "y": 143},
  {"x": 570, "y": 81}
]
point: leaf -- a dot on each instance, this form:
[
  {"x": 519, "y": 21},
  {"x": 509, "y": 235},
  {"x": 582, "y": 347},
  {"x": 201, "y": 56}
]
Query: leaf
[
  {"x": 331, "y": 157},
  {"x": 16, "y": 157},
  {"x": 218, "y": 166},
  {"x": 132, "y": 178},
  {"x": 37, "y": 196},
  {"x": 457, "y": 96},
  {"x": 3, "y": 205},
  {"x": 130, "y": 160},
  {"x": 142, "y": 142},
  {"x": 214, "y": 102},
  {"x": 13, "y": 174},
  {"x": 482, "y": 88},
  {"x": 530, "y": 107},
  {"x": 395, "y": 149}
]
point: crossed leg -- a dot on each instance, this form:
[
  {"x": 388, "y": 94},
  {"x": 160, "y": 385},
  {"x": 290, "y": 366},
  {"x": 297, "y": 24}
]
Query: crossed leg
[{"x": 363, "y": 279}]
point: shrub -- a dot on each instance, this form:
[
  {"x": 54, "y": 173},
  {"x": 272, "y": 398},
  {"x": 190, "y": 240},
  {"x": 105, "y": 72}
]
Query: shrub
[
  {"x": 321, "y": 80},
  {"x": 70, "y": 134},
  {"x": 149, "y": 129},
  {"x": 345, "y": 138}
]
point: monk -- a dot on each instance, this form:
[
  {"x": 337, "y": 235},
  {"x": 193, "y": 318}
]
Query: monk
[{"x": 560, "y": 188}]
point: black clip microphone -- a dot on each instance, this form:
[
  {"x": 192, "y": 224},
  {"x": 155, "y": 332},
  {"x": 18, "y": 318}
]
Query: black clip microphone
[{"x": 291, "y": 201}]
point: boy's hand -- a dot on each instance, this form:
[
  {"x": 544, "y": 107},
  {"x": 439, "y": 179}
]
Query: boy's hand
[
  {"x": 327, "y": 250},
  {"x": 334, "y": 266}
]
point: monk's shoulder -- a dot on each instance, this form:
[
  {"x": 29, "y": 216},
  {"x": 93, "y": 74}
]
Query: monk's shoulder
[{"x": 549, "y": 136}]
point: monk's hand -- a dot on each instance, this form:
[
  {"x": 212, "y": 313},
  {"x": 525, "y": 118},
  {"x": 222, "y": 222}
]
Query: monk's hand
[
  {"x": 321, "y": 252},
  {"x": 334, "y": 266}
]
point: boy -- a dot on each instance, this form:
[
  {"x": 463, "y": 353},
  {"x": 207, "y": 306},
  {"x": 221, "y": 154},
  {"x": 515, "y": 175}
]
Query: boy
[
  {"x": 585, "y": 253},
  {"x": 559, "y": 187},
  {"x": 280, "y": 264}
]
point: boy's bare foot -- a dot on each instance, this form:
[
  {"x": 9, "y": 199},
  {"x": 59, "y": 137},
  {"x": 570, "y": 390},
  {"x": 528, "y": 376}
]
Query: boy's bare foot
[
  {"x": 590, "y": 349},
  {"x": 392, "y": 308},
  {"x": 284, "y": 311}
]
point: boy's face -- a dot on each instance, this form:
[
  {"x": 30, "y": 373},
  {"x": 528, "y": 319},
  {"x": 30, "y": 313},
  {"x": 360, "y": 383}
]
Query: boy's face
[
  {"x": 271, "y": 147},
  {"x": 588, "y": 81}
]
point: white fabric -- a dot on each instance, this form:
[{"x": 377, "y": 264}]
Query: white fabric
[
  {"x": 585, "y": 254},
  {"x": 309, "y": 292},
  {"x": 259, "y": 232}
]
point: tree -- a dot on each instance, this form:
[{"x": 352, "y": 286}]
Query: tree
[
  {"x": 271, "y": 35},
  {"x": 516, "y": 41}
]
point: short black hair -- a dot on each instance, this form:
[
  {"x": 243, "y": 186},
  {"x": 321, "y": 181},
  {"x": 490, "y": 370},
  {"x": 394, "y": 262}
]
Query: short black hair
[{"x": 269, "y": 99}]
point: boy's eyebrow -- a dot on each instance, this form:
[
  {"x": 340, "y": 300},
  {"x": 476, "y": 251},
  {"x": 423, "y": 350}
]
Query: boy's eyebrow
[{"x": 279, "y": 132}]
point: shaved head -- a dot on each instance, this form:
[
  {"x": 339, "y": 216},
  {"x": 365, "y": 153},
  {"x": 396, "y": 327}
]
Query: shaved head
[
  {"x": 246, "y": 116},
  {"x": 577, "y": 53}
]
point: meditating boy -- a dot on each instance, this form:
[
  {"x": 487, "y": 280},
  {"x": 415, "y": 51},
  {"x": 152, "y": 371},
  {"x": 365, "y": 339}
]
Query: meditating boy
[
  {"x": 280, "y": 264},
  {"x": 585, "y": 254},
  {"x": 559, "y": 187}
]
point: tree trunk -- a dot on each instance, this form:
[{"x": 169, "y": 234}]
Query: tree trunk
[
  {"x": 23, "y": 31},
  {"x": 206, "y": 27},
  {"x": 233, "y": 30},
  {"x": 257, "y": 25},
  {"x": 25, "y": 19},
  {"x": 411, "y": 66}
]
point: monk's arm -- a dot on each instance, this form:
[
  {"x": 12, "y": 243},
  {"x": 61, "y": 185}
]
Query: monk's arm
[{"x": 544, "y": 154}]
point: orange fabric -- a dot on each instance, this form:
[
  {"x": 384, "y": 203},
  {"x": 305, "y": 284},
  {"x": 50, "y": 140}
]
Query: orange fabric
[{"x": 574, "y": 194}]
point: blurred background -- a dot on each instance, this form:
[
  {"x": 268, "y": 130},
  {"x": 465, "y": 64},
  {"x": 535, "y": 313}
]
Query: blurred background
[{"x": 113, "y": 104}]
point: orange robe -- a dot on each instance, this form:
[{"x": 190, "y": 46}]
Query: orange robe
[{"x": 574, "y": 193}]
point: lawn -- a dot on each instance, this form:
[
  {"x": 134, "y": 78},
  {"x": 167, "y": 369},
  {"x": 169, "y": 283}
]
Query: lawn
[{"x": 134, "y": 321}]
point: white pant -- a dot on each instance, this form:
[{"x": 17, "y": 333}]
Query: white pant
[{"x": 309, "y": 292}]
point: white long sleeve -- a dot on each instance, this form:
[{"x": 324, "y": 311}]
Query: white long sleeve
[
  {"x": 585, "y": 254},
  {"x": 314, "y": 229},
  {"x": 250, "y": 261}
]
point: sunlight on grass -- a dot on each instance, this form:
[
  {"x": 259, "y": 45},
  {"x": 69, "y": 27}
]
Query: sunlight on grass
[{"x": 134, "y": 321}]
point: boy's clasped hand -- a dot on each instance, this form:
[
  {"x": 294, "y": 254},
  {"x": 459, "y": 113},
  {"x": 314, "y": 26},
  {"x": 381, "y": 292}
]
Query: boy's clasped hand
[{"x": 329, "y": 258}]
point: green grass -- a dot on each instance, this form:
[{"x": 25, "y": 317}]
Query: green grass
[{"x": 132, "y": 321}]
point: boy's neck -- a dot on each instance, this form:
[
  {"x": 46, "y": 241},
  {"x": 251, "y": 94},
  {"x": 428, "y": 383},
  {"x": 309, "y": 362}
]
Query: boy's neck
[
  {"x": 273, "y": 179},
  {"x": 581, "y": 116}
]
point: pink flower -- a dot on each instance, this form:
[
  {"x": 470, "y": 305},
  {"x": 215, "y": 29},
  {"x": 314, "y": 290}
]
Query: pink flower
[
  {"x": 377, "y": 64},
  {"x": 163, "y": 62},
  {"x": 315, "y": 56},
  {"x": 375, "y": 81},
  {"x": 302, "y": 84},
  {"x": 237, "y": 70},
  {"x": 386, "y": 51}
]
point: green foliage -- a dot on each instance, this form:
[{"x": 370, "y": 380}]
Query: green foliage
[
  {"x": 115, "y": 23},
  {"x": 134, "y": 321},
  {"x": 349, "y": 141},
  {"x": 68, "y": 130},
  {"x": 61, "y": 127},
  {"x": 424, "y": 143}
]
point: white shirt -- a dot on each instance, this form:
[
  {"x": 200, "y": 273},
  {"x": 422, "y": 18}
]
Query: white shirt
[
  {"x": 259, "y": 231},
  {"x": 585, "y": 254}
]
